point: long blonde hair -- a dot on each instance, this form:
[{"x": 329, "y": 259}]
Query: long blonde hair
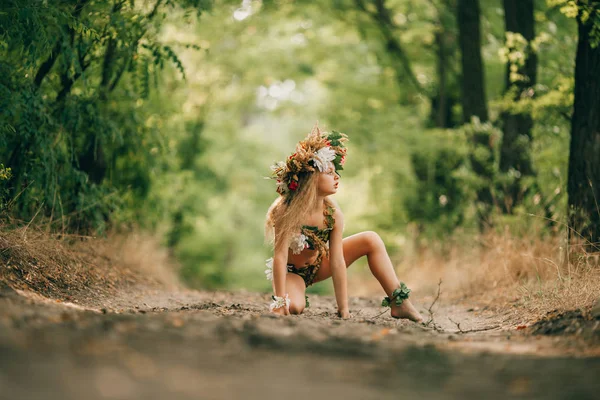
[{"x": 284, "y": 218}]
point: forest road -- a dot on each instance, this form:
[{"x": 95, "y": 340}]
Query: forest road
[{"x": 182, "y": 344}]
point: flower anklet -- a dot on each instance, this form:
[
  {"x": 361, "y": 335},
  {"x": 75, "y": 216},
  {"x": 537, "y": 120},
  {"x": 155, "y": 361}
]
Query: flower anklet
[{"x": 398, "y": 296}]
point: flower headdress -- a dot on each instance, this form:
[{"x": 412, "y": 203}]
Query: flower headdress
[{"x": 317, "y": 152}]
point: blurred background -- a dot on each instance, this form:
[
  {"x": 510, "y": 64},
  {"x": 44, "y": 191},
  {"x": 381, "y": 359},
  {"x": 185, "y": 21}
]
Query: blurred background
[{"x": 164, "y": 116}]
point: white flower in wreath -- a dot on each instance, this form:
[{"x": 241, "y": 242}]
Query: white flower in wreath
[
  {"x": 298, "y": 243},
  {"x": 277, "y": 165},
  {"x": 269, "y": 270},
  {"x": 282, "y": 187},
  {"x": 323, "y": 158}
]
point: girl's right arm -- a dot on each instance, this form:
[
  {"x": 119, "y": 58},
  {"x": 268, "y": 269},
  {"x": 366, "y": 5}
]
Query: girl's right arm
[{"x": 280, "y": 271}]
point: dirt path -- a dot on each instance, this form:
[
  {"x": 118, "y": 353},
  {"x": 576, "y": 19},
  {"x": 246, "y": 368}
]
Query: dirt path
[{"x": 180, "y": 344}]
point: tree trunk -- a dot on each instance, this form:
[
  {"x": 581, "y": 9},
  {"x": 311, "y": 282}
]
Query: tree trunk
[
  {"x": 474, "y": 102},
  {"x": 515, "y": 151},
  {"x": 445, "y": 97},
  {"x": 400, "y": 61},
  {"x": 442, "y": 101},
  {"x": 584, "y": 158},
  {"x": 473, "y": 82},
  {"x": 49, "y": 63}
]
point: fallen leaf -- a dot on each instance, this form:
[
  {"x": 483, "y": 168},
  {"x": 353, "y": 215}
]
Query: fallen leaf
[
  {"x": 521, "y": 327},
  {"x": 381, "y": 334}
]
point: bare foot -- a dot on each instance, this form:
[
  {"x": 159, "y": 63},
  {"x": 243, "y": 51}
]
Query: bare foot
[{"x": 406, "y": 310}]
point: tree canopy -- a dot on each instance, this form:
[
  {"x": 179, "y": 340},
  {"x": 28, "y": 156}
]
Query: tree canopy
[{"x": 166, "y": 115}]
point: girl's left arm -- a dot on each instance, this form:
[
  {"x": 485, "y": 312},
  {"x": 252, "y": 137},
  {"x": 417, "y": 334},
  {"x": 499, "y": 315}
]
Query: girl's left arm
[{"x": 337, "y": 264}]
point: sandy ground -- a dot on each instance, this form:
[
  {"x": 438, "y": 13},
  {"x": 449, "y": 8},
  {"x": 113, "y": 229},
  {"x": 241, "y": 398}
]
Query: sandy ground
[{"x": 152, "y": 343}]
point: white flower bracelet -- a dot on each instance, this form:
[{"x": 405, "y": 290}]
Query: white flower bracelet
[{"x": 279, "y": 302}]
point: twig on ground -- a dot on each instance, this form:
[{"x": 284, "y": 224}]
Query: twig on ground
[
  {"x": 378, "y": 315},
  {"x": 457, "y": 325},
  {"x": 460, "y": 330},
  {"x": 430, "y": 309},
  {"x": 485, "y": 328}
]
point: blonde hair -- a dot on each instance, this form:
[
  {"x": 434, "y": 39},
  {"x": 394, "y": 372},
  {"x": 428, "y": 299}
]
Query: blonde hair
[{"x": 285, "y": 216}]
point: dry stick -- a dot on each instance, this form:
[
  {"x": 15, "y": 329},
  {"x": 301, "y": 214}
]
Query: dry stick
[
  {"x": 10, "y": 203},
  {"x": 457, "y": 325},
  {"x": 429, "y": 310},
  {"x": 594, "y": 195},
  {"x": 379, "y": 315},
  {"x": 31, "y": 220},
  {"x": 485, "y": 328},
  {"x": 74, "y": 235},
  {"x": 460, "y": 330}
]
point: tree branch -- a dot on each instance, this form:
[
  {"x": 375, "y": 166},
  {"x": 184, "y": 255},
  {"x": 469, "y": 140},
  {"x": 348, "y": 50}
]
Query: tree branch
[
  {"x": 47, "y": 65},
  {"x": 56, "y": 50},
  {"x": 154, "y": 10},
  {"x": 68, "y": 82},
  {"x": 124, "y": 65},
  {"x": 134, "y": 45},
  {"x": 386, "y": 26},
  {"x": 108, "y": 56}
]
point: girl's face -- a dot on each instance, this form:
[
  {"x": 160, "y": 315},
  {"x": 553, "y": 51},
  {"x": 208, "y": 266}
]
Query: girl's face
[{"x": 328, "y": 182}]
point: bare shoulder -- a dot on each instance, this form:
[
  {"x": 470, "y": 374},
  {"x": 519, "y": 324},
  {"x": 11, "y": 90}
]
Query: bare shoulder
[
  {"x": 338, "y": 215},
  {"x": 334, "y": 204}
]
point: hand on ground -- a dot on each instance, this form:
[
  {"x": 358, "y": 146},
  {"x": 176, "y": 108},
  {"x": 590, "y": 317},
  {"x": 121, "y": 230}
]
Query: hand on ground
[{"x": 281, "y": 311}]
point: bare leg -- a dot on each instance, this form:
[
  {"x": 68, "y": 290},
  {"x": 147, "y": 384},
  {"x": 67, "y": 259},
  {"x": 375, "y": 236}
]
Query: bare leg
[{"x": 370, "y": 244}]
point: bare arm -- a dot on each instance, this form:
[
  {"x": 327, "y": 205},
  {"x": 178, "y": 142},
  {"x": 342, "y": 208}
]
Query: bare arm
[
  {"x": 280, "y": 257},
  {"x": 338, "y": 264}
]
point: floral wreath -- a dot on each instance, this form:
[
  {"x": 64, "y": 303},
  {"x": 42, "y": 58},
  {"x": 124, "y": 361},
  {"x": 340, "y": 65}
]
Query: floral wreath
[{"x": 318, "y": 151}]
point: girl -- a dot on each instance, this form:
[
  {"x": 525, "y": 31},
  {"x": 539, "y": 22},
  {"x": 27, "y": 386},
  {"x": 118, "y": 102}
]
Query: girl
[{"x": 306, "y": 225}]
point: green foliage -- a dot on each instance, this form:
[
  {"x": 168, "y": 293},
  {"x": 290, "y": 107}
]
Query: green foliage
[
  {"x": 484, "y": 139},
  {"x": 439, "y": 198},
  {"x": 586, "y": 12},
  {"x": 72, "y": 128},
  {"x": 5, "y": 174},
  {"x": 117, "y": 114}
]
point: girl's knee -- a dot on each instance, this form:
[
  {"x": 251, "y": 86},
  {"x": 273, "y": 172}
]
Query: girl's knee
[
  {"x": 295, "y": 285},
  {"x": 296, "y": 308},
  {"x": 373, "y": 240}
]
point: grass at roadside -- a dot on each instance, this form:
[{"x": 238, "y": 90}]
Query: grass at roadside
[{"x": 62, "y": 265}]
